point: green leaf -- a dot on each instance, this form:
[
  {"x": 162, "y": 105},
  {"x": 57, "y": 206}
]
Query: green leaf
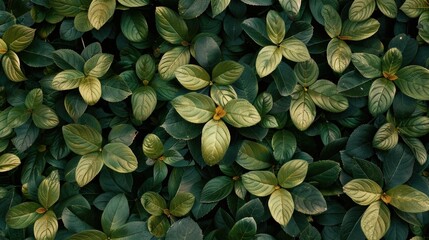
[
  {"x": 206, "y": 50},
  {"x": 89, "y": 235},
  {"x": 179, "y": 128},
  {"x": 158, "y": 225},
  {"x": 357, "y": 31},
  {"x": 134, "y": 3},
  {"x": 259, "y": 183},
  {"x": 361, "y": 10},
  {"x": 323, "y": 172},
  {"x": 81, "y": 22},
  {"x": 353, "y": 84},
  {"x": 189, "y": 9},
  {"x": 414, "y": 126},
  {"x": 90, "y": 90},
  {"x": 408, "y": 199},
  {"x": 302, "y": 110},
  {"x": 325, "y": 95},
  {"x": 74, "y": 105},
  {"x": 67, "y": 79},
  {"x": 181, "y": 204},
  {"x": 98, "y": 65},
  {"x": 308, "y": 199},
  {"x": 244, "y": 228},
  {"x": 48, "y": 191},
  {"x": 68, "y": 59},
  {"x": 381, "y": 95},
  {"x": 153, "y": 203},
  {"x": 100, "y": 11},
  {"x": 215, "y": 139},
  {"x": 152, "y": 146},
  {"x": 192, "y": 77},
  {"x": 281, "y": 206},
  {"x": 12, "y": 67},
  {"x": 306, "y": 72},
  {"x": 134, "y": 230},
  {"x": 88, "y": 168},
  {"x": 253, "y": 156},
  {"x": 194, "y": 107},
  {"x": 143, "y": 102},
  {"x": 222, "y": 94},
  {"x": 22, "y": 215},
  {"x": 386, "y": 137},
  {"x": 413, "y": 81},
  {"x": 34, "y": 98},
  {"x": 363, "y": 191},
  {"x": 38, "y": 54},
  {"x": 119, "y": 157},
  {"x": 276, "y": 28},
  {"x": 423, "y": 27},
  {"x": 256, "y": 29},
  {"x": 227, "y": 72},
  {"x": 217, "y": 189},
  {"x": 333, "y": 22},
  {"x": 285, "y": 79},
  {"x": 115, "y": 214},
  {"x": 219, "y": 6},
  {"x": 294, "y": 49},
  {"x": 338, "y": 54},
  {"x": 240, "y": 113},
  {"x": 291, "y": 7},
  {"x": 46, "y": 227},
  {"x": 184, "y": 229},
  {"x": 17, "y": 116},
  {"x": 398, "y": 165},
  {"x": 413, "y": 8},
  {"x": 391, "y": 62},
  {"x": 417, "y": 148},
  {"x": 44, "y": 117},
  {"x": 292, "y": 173},
  {"x": 134, "y": 26},
  {"x": 67, "y": 8},
  {"x": 81, "y": 139},
  {"x": 171, "y": 60},
  {"x": 115, "y": 89},
  {"x": 170, "y": 26},
  {"x": 369, "y": 65},
  {"x": 18, "y": 37},
  {"x": 388, "y": 8},
  {"x": 268, "y": 59},
  {"x": 9, "y": 161},
  {"x": 284, "y": 145},
  {"x": 375, "y": 221}
]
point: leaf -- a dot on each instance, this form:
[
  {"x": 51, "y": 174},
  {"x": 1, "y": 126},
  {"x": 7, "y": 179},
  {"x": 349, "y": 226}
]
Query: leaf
[
  {"x": 308, "y": 199},
  {"x": 88, "y": 168},
  {"x": 67, "y": 80},
  {"x": 132, "y": 230},
  {"x": 18, "y": 37},
  {"x": 306, "y": 72},
  {"x": 292, "y": 173},
  {"x": 37, "y": 54},
  {"x": 25, "y": 136},
  {"x": 375, "y": 221},
  {"x": 386, "y": 137},
  {"x": 423, "y": 29},
  {"x": 388, "y": 8},
  {"x": 9, "y": 161},
  {"x": 361, "y": 10},
  {"x": 46, "y": 227},
  {"x": 417, "y": 148},
  {"x": 152, "y": 146},
  {"x": 256, "y": 30},
  {"x": 12, "y": 67},
  {"x": 369, "y": 65},
  {"x": 391, "y": 62},
  {"x": 153, "y": 203},
  {"x": 66, "y": 7},
  {"x": 357, "y": 31},
  {"x": 81, "y": 22},
  {"x": 285, "y": 79},
  {"x": 222, "y": 94},
  {"x": 48, "y": 191},
  {"x": 253, "y": 156},
  {"x": 413, "y": 8},
  {"x": 100, "y": 11},
  {"x": 115, "y": 214},
  {"x": 143, "y": 102},
  {"x": 134, "y": 26},
  {"x": 240, "y": 113},
  {"x": 90, "y": 90},
  {"x": 192, "y": 77},
  {"x": 338, "y": 54},
  {"x": 381, "y": 95},
  {"x": 158, "y": 225},
  {"x": 170, "y": 26},
  {"x": 194, "y": 107},
  {"x": 281, "y": 206},
  {"x": 398, "y": 165},
  {"x": 89, "y": 235},
  {"x": 189, "y": 9},
  {"x": 227, "y": 72},
  {"x": 363, "y": 191},
  {"x": 302, "y": 110},
  {"x": 215, "y": 139},
  {"x": 119, "y": 157},
  {"x": 68, "y": 59},
  {"x": 115, "y": 89},
  {"x": 181, "y": 204},
  {"x": 81, "y": 139},
  {"x": 217, "y": 189},
  {"x": 179, "y": 128},
  {"x": 259, "y": 183},
  {"x": 408, "y": 199},
  {"x": 295, "y": 50},
  {"x": 284, "y": 145},
  {"x": 359, "y": 143},
  {"x": 291, "y": 7},
  {"x": 244, "y": 228},
  {"x": 219, "y": 6},
  {"x": 171, "y": 60},
  {"x": 276, "y": 29},
  {"x": 134, "y": 3},
  {"x": 184, "y": 229},
  {"x": 44, "y": 117},
  {"x": 22, "y": 215},
  {"x": 325, "y": 95},
  {"x": 414, "y": 126},
  {"x": 268, "y": 59},
  {"x": 353, "y": 84},
  {"x": 332, "y": 19},
  {"x": 206, "y": 50},
  {"x": 323, "y": 172},
  {"x": 98, "y": 65},
  {"x": 350, "y": 226},
  {"x": 413, "y": 81}
]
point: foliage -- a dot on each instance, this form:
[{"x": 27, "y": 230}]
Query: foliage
[{"x": 214, "y": 119}]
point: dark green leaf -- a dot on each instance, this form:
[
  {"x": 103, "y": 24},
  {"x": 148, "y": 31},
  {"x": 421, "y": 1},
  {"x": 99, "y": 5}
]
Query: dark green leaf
[
  {"x": 217, "y": 189},
  {"x": 253, "y": 156},
  {"x": 184, "y": 229},
  {"x": 398, "y": 165},
  {"x": 81, "y": 139},
  {"x": 245, "y": 228},
  {"x": 308, "y": 199}
]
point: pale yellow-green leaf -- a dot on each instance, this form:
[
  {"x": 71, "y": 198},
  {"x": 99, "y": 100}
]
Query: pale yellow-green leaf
[
  {"x": 413, "y": 8},
  {"x": 222, "y": 94},
  {"x": 100, "y": 11},
  {"x": 267, "y": 60},
  {"x": 22, "y": 215},
  {"x": 194, "y": 107},
  {"x": 386, "y": 137},
  {"x": 281, "y": 206},
  {"x": 152, "y": 146},
  {"x": 417, "y": 148},
  {"x": 292, "y": 173},
  {"x": 276, "y": 28},
  {"x": 259, "y": 183},
  {"x": 302, "y": 110},
  {"x": 338, "y": 54},
  {"x": 98, "y": 65},
  {"x": 81, "y": 22},
  {"x": 363, "y": 191},
  {"x": 356, "y": 31},
  {"x": 333, "y": 22},
  {"x": 171, "y": 60},
  {"x": 170, "y": 25},
  {"x": 82, "y": 139},
  {"x": 295, "y": 50},
  {"x": 408, "y": 199},
  {"x": 153, "y": 203},
  {"x": 215, "y": 139},
  {"x": 119, "y": 157},
  {"x": 375, "y": 221},
  {"x": 181, "y": 204},
  {"x": 219, "y": 6},
  {"x": 388, "y": 7},
  {"x": 90, "y": 90},
  {"x": 88, "y": 167},
  {"x": 192, "y": 77},
  {"x": 46, "y": 227},
  {"x": 143, "y": 102},
  {"x": 44, "y": 117},
  {"x": 241, "y": 113},
  {"x": 3, "y": 47},
  {"x": 9, "y": 161},
  {"x": 18, "y": 37},
  {"x": 12, "y": 67},
  {"x": 361, "y": 10},
  {"x": 134, "y": 3},
  {"x": 67, "y": 80},
  {"x": 48, "y": 191},
  {"x": 325, "y": 95}
]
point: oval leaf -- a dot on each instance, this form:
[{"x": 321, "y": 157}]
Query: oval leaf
[
  {"x": 48, "y": 191},
  {"x": 119, "y": 157},
  {"x": 181, "y": 204},
  {"x": 281, "y": 206},
  {"x": 292, "y": 173},
  {"x": 88, "y": 168},
  {"x": 143, "y": 102},
  {"x": 259, "y": 183},
  {"x": 215, "y": 139},
  {"x": 82, "y": 139},
  {"x": 363, "y": 191},
  {"x": 338, "y": 54},
  {"x": 375, "y": 221},
  {"x": 22, "y": 215},
  {"x": 152, "y": 146},
  {"x": 192, "y": 77},
  {"x": 308, "y": 199},
  {"x": 153, "y": 203},
  {"x": 100, "y": 11},
  {"x": 386, "y": 137},
  {"x": 217, "y": 189},
  {"x": 194, "y": 107},
  {"x": 9, "y": 161},
  {"x": 240, "y": 113},
  {"x": 408, "y": 199}
]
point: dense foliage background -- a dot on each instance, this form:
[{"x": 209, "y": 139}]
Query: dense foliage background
[{"x": 214, "y": 119}]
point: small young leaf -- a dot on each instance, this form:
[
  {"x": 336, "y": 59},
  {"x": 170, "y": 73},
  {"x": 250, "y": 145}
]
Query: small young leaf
[
  {"x": 12, "y": 67},
  {"x": 48, "y": 191},
  {"x": 9, "y": 161},
  {"x": 217, "y": 189},
  {"x": 98, "y": 65},
  {"x": 88, "y": 168},
  {"x": 386, "y": 137},
  {"x": 375, "y": 220},
  {"x": 222, "y": 94},
  {"x": 302, "y": 110},
  {"x": 281, "y": 206},
  {"x": 240, "y": 113},
  {"x": 153, "y": 203},
  {"x": 259, "y": 183},
  {"x": 391, "y": 62},
  {"x": 81, "y": 22},
  {"x": 46, "y": 227},
  {"x": 194, "y": 107},
  {"x": 119, "y": 157},
  {"x": 152, "y": 146},
  {"x": 363, "y": 191},
  {"x": 100, "y": 11},
  {"x": 145, "y": 67},
  {"x": 181, "y": 204},
  {"x": 81, "y": 139},
  {"x": 143, "y": 102},
  {"x": 215, "y": 139},
  {"x": 90, "y": 90},
  {"x": 408, "y": 199}
]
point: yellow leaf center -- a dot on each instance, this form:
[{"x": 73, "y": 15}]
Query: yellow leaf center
[
  {"x": 219, "y": 113},
  {"x": 391, "y": 77},
  {"x": 41, "y": 210},
  {"x": 386, "y": 198}
]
